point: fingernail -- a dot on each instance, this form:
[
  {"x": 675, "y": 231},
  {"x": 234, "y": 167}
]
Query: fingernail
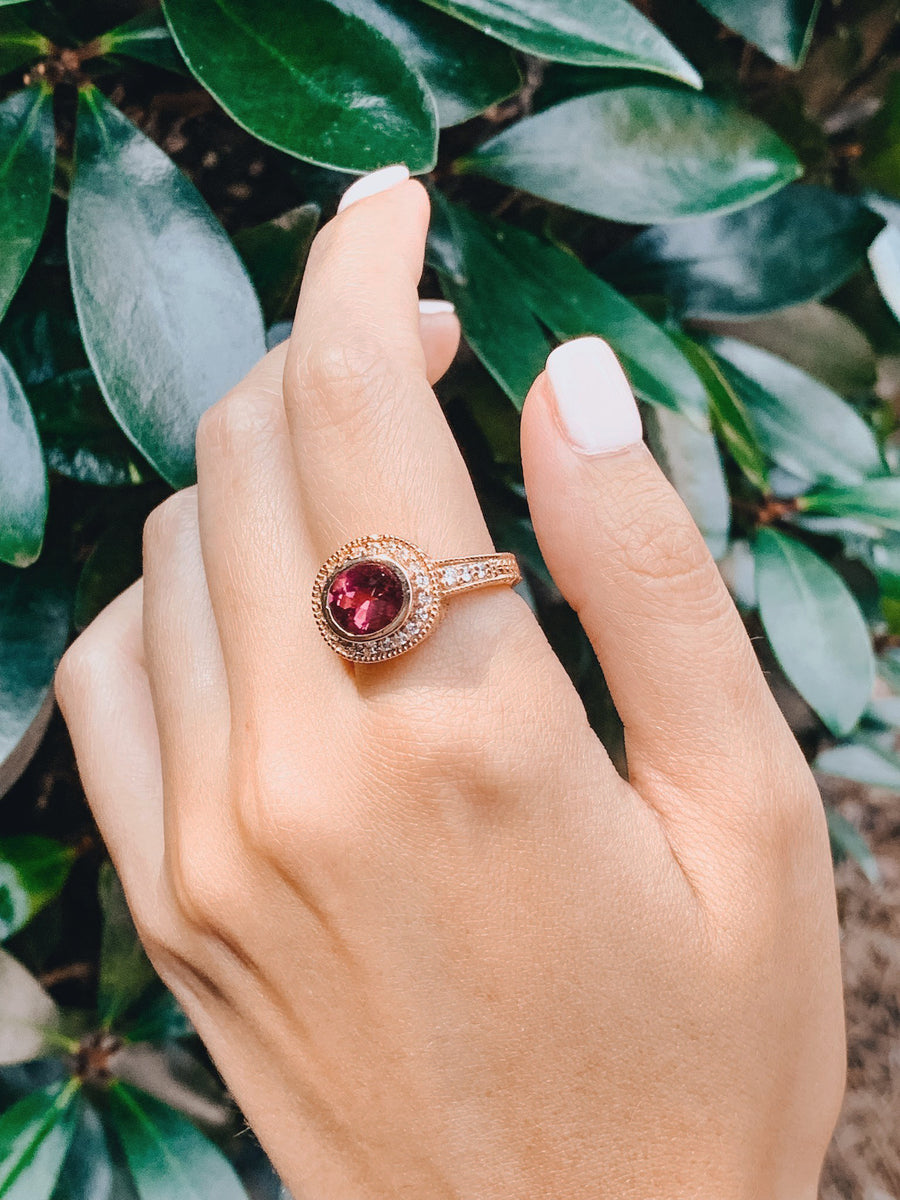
[
  {"x": 377, "y": 181},
  {"x": 430, "y": 308},
  {"x": 593, "y": 398}
]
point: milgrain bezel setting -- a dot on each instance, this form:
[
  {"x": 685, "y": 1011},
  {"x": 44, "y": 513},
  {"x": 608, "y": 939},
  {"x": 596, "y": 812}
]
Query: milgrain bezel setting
[
  {"x": 420, "y": 609},
  {"x": 426, "y": 586}
]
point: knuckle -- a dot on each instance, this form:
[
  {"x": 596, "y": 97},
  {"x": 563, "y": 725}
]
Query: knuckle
[
  {"x": 168, "y": 521},
  {"x": 350, "y": 382},
  {"x": 82, "y": 667},
  {"x": 203, "y": 893},
  {"x": 242, "y": 417}
]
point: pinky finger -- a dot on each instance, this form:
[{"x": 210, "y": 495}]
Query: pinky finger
[{"x": 104, "y": 694}]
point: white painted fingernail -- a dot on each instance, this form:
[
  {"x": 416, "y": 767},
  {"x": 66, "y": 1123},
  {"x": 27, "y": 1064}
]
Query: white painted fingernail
[
  {"x": 596, "y": 406},
  {"x": 431, "y": 308},
  {"x": 369, "y": 185}
]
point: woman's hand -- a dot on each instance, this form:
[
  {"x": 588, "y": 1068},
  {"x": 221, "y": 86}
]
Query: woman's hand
[{"x": 436, "y": 945}]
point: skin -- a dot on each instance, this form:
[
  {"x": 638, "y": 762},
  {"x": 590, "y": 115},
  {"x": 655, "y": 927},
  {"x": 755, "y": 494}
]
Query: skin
[{"x": 436, "y": 945}]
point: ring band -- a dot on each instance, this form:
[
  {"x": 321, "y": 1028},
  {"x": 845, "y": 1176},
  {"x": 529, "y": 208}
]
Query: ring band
[{"x": 378, "y": 597}]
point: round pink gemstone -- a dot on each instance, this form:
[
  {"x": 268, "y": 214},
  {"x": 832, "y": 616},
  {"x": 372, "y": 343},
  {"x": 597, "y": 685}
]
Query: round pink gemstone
[{"x": 365, "y": 598}]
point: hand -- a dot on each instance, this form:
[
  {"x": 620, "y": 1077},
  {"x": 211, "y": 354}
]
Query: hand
[{"x": 436, "y": 945}]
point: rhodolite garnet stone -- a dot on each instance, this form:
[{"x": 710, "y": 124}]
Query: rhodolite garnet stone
[{"x": 365, "y": 598}]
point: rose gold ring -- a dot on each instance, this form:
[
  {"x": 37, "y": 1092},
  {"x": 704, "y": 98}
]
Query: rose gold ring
[{"x": 377, "y": 597}]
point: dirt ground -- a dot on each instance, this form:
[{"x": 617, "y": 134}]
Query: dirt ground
[{"x": 864, "y": 1161}]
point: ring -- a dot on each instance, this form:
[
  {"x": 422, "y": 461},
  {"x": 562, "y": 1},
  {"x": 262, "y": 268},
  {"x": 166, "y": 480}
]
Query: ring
[{"x": 378, "y": 597}]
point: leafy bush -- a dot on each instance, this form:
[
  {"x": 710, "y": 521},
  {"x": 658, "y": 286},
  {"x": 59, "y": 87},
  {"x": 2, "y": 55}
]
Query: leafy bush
[{"x": 765, "y": 178}]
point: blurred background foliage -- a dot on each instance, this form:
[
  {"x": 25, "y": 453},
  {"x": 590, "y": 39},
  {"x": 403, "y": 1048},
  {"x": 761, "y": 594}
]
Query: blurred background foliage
[{"x": 712, "y": 186}]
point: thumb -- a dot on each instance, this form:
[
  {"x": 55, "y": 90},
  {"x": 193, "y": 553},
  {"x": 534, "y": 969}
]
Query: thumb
[{"x": 626, "y": 554}]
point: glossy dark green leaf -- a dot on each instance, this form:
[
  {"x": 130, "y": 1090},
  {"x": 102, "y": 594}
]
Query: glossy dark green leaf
[
  {"x": 730, "y": 417},
  {"x": 640, "y": 154},
  {"x": 27, "y": 153},
  {"x": 147, "y": 38},
  {"x": 803, "y": 426},
  {"x": 465, "y": 71},
  {"x": 19, "y": 44},
  {"x": 510, "y": 288},
  {"x": 125, "y": 970},
  {"x": 799, "y": 244},
  {"x": 35, "y": 613},
  {"x": 275, "y": 253},
  {"x": 33, "y": 871},
  {"x": 167, "y": 1155},
  {"x": 28, "y": 1016},
  {"x": 815, "y": 628},
  {"x": 23, "y": 480},
  {"x": 820, "y": 340},
  {"x": 846, "y": 840},
  {"x": 354, "y": 103},
  {"x": 874, "y": 502},
  {"x": 35, "y": 1136},
  {"x": 88, "y": 1172},
  {"x": 167, "y": 313},
  {"x": 690, "y": 459},
  {"x": 597, "y": 33},
  {"x": 158, "y": 1018},
  {"x": 80, "y": 438},
  {"x": 780, "y": 28}
]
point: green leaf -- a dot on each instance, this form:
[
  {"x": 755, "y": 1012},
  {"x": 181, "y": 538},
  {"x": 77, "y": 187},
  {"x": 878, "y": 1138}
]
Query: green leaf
[
  {"x": 815, "y": 628},
  {"x": 846, "y": 840},
  {"x": 79, "y": 436},
  {"x": 167, "y": 313},
  {"x": 592, "y": 33},
  {"x": 27, "y": 155},
  {"x": 274, "y": 254},
  {"x": 27, "y": 1016},
  {"x": 159, "y": 1018},
  {"x": 353, "y": 102},
  {"x": 800, "y": 244},
  {"x": 730, "y": 417},
  {"x": 18, "y": 43},
  {"x": 23, "y": 481},
  {"x": 125, "y": 970},
  {"x": 167, "y": 1155},
  {"x": 689, "y": 457},
  {"x": 863, "y": 762},
  {"x": 510, "y": 288},
  {"x": 874, "y": 502},
  {"x": 33, "y": 871},
  {"x": 88, "y": 1172},
  {"x": 884, "y": 259},
  {"x": 465, "y": 72},
  {"x": 639, "y": 154},
  {"x": 803, "y": 426},
  {"x": 820, "y": 340},
  {"x": 35, "y": 612},
  {"x": 35, "y": 1136},
  {"x": 145, "y": 37},
  {"x": 780, "y": 28}
]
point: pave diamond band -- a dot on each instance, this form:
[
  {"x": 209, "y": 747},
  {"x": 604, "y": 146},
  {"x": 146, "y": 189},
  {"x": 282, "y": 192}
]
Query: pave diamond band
[
  {"x": 377, "y": 597},
  {"x": 466, "y": 574}
]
